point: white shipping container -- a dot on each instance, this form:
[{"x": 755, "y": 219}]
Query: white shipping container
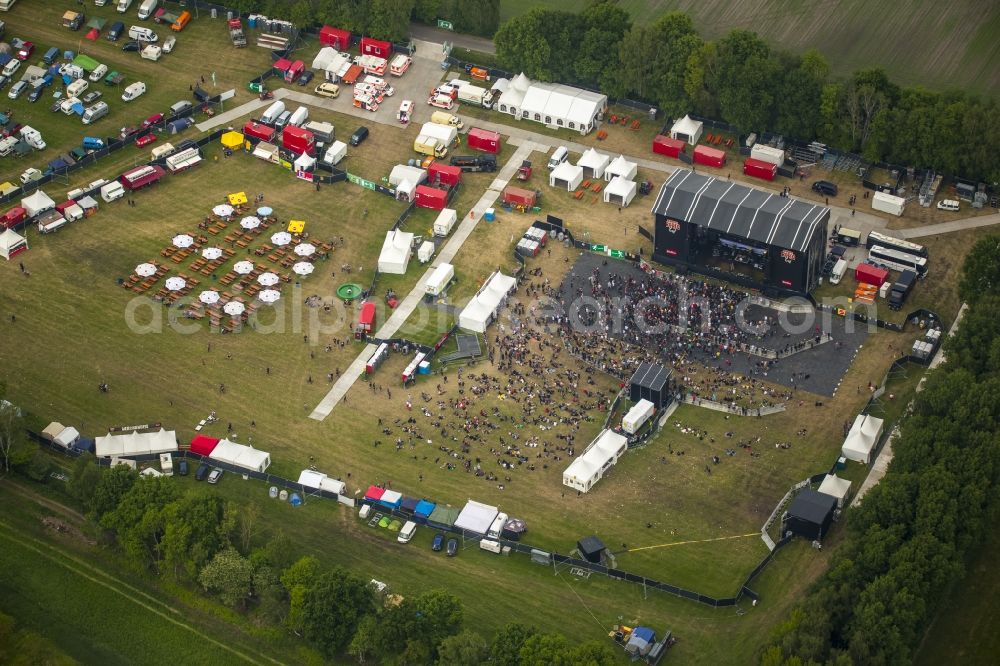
[
  {"x": 637, "y": 416},
  {"x": 768, "y": 154},
  {"x": 888, "y": 203},
  {"x": 445, "y": 221},
  {"x": 439, "y": 279}
]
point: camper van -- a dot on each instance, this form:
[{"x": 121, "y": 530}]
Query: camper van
[
  {"x": 77, "y": 88},
  {"x": 98, "y": 73},
  {"x": 95, "y": 112},
  {"x": 133, "y": 91},
  {"x": 837, "y": 273},
  {"x": 405, "y": 534},
  {"x": 112, "y": 191},
  {"x": 497, "y": 527},
  {"x": 123, "y": 6},
  {"x": 138, "y": 33},
  {"x": 558, "y": 157},
  {"x": 146, "y": 9}
]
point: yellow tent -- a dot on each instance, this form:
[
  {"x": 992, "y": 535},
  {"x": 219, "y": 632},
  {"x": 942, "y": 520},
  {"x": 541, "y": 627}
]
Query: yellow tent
[
  {"x": 232, "y": 140},
  {"x": 237, "y": 198},
  {"x": 296, "y": 226}
]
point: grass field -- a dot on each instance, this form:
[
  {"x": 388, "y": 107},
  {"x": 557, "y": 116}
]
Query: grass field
[{"x": 938, "y": 46}]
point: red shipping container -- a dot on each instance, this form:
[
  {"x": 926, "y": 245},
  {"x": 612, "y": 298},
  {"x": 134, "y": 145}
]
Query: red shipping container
[
  {"x": 444, "y": 173},
  {"x": 431, "y": 197},
  {"x": 519, "y": 197},
  {"x": 871, "y": 274},
  {"x": 298, "y": 140},
  {"x": 709, "y": 156},
  {"x": 664, "y": 145},
  {"x": 484, "y": 140},
  {"x": 759, "y": 169},
  {"x": 338, "y": 38},
  {"x": 258, "y": 131},
  {"x": 61, "y": 208},
  {"x": 376, "y": 47},
  {"x": 13, "y": 217}
]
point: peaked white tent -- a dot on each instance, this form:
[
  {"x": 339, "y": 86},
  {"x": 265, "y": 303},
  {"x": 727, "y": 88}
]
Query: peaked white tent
[
  {"x": 11, "y": 243},
  {"x": 566, "y": 175},
  {"x": 240, "y": 455},
  {"x": 620, "y": 191},
  {"x": 553, "y": 104},
  {"x": 36, "y": 203},
  {"x": 406, "y": 191},
  {"x": 621, "y": 167},
  {"x": 511, "y": 98},
  {"x": 599, "y": 456},
  {"x": 687, "y": 129},
  {"x": 593, "y": 163},
  {"x": 136, "y": 443},
  {"x": 309, "y": 478},
  {"x": 482, "y": 308},
  {"x": 326, "y": 55},
  {"x": 476, "y": 517},
  {"x": 395, "y": 255},
  {"x": 304, "y": 162},
  {"x": 402, "y": 172},
  {"x": 862, "y": 438},
  {"x": 834, "y": 486}
]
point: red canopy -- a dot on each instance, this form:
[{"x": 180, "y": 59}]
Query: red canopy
[
  {"x": 374, "y": 493},
  {"x": 203, "y": 445},
  {"x": 281, "y": 65},
  {"x": 93, "y": 34}
]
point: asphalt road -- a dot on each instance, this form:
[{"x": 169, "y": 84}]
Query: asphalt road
[{"x": 471, "y": 42}]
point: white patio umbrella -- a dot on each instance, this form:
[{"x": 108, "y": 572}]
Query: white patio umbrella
[
  {"x": 211, "y": 253},
  {"x": 145, "y": 270},
  {"x": 268, "y": 279},
  {"x": 305, "y": 249},
  {"x": 281, "y": 238},
  {"x": 223, "y": 210},
  {"x": 303, "y": 268},
  {"x": 269, "y": 295},
  {"x": 243, "y": 267},
  {"x": 264, "y": 211},
  {"x": 183, "y": 240},
  {"x": 209, "y": 297},
  {"x": 176, "y": 283},
  {"x": 250, "y": 222},
  {"x": 234, "y": 308}
]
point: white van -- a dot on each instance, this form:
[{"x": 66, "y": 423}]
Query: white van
[
  {"x": 146, "y": 9},
  {"x": 77, "y": 88},
  {"x": 405, "y": 534},
  {"x": 133, "y": 90},
  {"x": 837, "y": 273},
  {"x": 112, "y": 191},
  {"x": 558, "y": 157},
  {"x": 497, "y": 527},
  {"x": 95, "y": 112},
  {"x": 177, "y": 107},
  {"x": 98, "y": 73},
  {"x": 948, "y": 204},
  {"x": 141, "y": 34},
  {"x": 123, "y": 6},
  {"x": 273, "y": 112},
  {"x": 300, "y": 116}
]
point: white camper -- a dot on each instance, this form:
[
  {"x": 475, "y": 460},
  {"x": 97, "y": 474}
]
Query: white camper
[
  {"x": 439, "y": 279},
  {"x": 445, "y": 221},
  {"x": 838, "y": 271},
  {"x": 112, "y": 191}
]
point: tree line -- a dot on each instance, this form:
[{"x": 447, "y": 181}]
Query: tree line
[
  {"x": 743, "y": 81},
  {"x": 217, "y": 546},
  {"x": 909, "y": 538},
  {"x": 381, "y": 19}
]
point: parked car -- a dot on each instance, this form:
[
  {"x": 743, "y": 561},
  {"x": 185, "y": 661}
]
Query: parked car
[
  {"x": 4, "y": 80},
  {"x": 36, "y": 93},
  {"x": 328, "y": 90},
  {"x": 825, "y": 187},
  {"x": 452, "y": 548},
  {"x": 359, "y": 135},
  {"x": 152, "y": 120},
  {"x": 215, "y": 475},
  {"x": 11, "y": 67},
  {"x": 437, "y": 542},
  {"x": 22, "y": 49},
  {"x": 145, "y": 140},
  {"x": 131, "y": 45},
  {"x": 115, "y": 33},
  {"x": 126, "y": 132},
  {"x": 202, "y": 471},
  {"x": 306, "y": 77},
  {"x": 169, "y": 43},
  {"x": 17, "y": 89},
  {"x": 182, "y": 468},
  {"x": 92, "y": 96}
]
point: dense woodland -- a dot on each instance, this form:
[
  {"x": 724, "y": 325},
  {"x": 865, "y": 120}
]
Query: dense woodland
[{"x": 913, "y": 531}]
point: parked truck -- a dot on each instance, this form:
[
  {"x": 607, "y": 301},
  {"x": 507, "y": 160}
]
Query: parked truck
[
  {"x": 474, "y": 163},
  {"x": 901, "y": 289},
  {"x": 236, "y": 35},
  {"x": 428, "y": 145},
  {"x": 442, "y": 118},
  {"x": 73, "y": 20}
]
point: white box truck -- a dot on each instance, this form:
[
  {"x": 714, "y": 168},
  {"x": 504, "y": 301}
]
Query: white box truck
[
  {"x": 273, "y": 112},
  {"x": 636, "y": 416},
  {"x": 439, "y": 279},
  {"x": 839, "y": 269},
  {"x": 471, "y": 94},
  {"x": 888, "y": 203}
]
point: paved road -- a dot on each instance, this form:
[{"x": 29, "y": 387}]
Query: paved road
[
  {"x": 406, "y": 307},
  {"x": 950, "y": 227},
  {"x": 438, "y": 36}
]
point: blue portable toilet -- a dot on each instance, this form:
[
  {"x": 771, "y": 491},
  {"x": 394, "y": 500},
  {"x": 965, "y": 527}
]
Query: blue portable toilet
[
  {"x": 295, "y": 499},
  {"x": 68, "y": 55},
  {"x": 424, "y": 368},
  {"x": 491, "y": 214},
  {"x": 252, "y": 21}
]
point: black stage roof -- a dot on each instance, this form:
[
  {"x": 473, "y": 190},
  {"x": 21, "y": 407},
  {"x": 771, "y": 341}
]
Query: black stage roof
[
  {"x": 739, "y": 210},
  {"x": 649, "y": 376},
  {"x": 812, "y": 506}
]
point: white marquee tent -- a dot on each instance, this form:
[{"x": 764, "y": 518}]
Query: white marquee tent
[
  {"x": 476, "y": 517},
  {"x": 566, "y": 175},
  {"x": 406, "y": 191},
  {"x": 601, "y": 454},
  {"x": 136, "y": 443},
  {"x": 482, "y": 308},
  {"x": 687, "y": 129},
  {"x": 36, "y": 203},
  {"x": 395, "y": 255},
  {"x": 593, "y": 163},
  {"x": 621, "y": 167},
  {"x": 401, "y": 172},
  {"x": 326, "y": 55},
  {"x": 862, "y": 438},
  {"x": 319, "y": 481},
  {"x": 67, "y": 438},
  {"x": 240, "y": 455},
  {"x": 11, "y": 243},
  {"x": 620, "y": 191},
  {"x": 553, "y": 104},
  {"x": 834, "y": 486},
  {"x": 304, "y": 162}
]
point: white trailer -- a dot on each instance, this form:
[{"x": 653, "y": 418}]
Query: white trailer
[
  {"x": 183, "y": 160},
  {"x": 445, "y": 222},
  {"x": 839, "y": 269},
  {"x": 335, "y": 153},
  {"x": 439, "y": 279},
  {"x": 888, "y": 203},
  {"x": 299, "y": 117},
  {"x": 636, "y": 416}
]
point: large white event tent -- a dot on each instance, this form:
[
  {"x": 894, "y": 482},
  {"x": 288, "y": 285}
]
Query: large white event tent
[
  {"x": 553, "y": 104},
  {"x": 36, "y": 203},
  {"x": 309, "y": 478},
  {"x": 482, "y": 308},
  {"x": 620, "y": 191},
  {"x": 402, "y": 172},
  {"x": 395, "y": 255},
  {"x": 240, "y": 455},
  {"x": 862, "y": 438},
  {"x": 11, "y": 243},
  {"x": 600, "y": 455},
  {"x": 136, "y": 443},
  {"x": 476, "y": 517}
]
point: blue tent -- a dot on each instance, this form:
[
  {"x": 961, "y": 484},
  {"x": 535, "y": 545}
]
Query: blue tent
[
  {"x": 78, "y": 109},
  {"x": 295, "y": 499},
  {"x": 408, "y": 504},
  {"x": 641, "y": 641},
  {"x": 84, "y": 444},
  {"x": 423, "y": 510}
]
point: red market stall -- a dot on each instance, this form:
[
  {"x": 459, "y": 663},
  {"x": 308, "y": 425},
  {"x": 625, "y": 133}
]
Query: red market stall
[
  {"x": 203, "y": 445},
  {"x": 431, "y": 197},
  {"x": 258, "y": 131},
  {"x": 376, "y": 47},
  {"x": 374, "y": 493},
  {"x": 709, "y": 156},
  {"x": 366, "y": 320},
  {"x": 664, "y": 145},
  {"x": 338, "y": 38},
  {"x": 438, "y": 172},
  {"x": 871, "y": 274},
  {"x": 760, "y": 169}
]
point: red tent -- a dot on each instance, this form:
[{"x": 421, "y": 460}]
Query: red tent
[
  {"x": 374, "y": 493},
  {"x": 664, "y": 145},
  {"x": 431, "y": 197},
  {"x": 281, "y": 66},
  {"x": 93, "y": 34},
  {"x": 203, "y": 445},
  {"x": 338, "y": 38}
]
